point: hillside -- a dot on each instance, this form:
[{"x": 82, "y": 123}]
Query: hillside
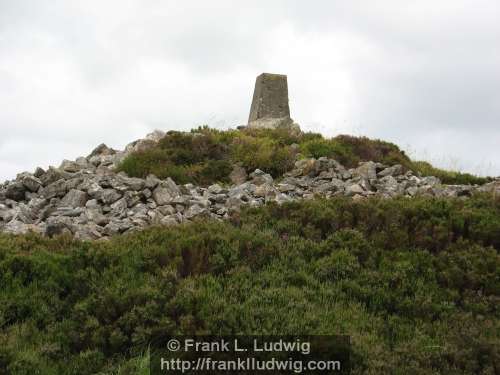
[
  {"x": 415, "y": 284},
  {"x": 250, "y": 231}
]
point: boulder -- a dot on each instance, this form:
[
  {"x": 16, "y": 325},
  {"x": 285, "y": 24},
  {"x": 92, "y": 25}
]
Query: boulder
[
  {"x": 259, "y": 177},
  {"x": 306, "y": 167},
  {"x": 55, "y": 189},
  {"x": 165, "y": 192},
  {"x": 70, "y": 166},
  {"x": 109, "y": 196},
  {"x": 152, "y": 181},
  {"x": 15, "y": 191},
  {"x": 367, "y": 170},
  {"x": 29, "y": 181},
  {"x": 95, "y": 215},
  {"x": 162, "y": 195},
  {"x": 395, "y": 170},
  {"x": 58, "y": 225},
  {"x": 39, "y": 172},
  {"x": 101, "y": 150},
  {"x": 354, "y": 189},
  {"x": 88, "y": 232},
  {"x": 74, "y": 198},
  {"x": 52, "y": 175},
  {"x": 238, "y": 175}
]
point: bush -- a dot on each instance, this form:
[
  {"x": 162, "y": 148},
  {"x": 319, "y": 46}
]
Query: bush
[
  {"x": 205, "y": 156},
  {"x": 414, "y": 283}
]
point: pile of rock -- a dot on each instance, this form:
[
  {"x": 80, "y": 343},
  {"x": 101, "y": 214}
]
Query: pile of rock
[{"x": 88, "y": 199}]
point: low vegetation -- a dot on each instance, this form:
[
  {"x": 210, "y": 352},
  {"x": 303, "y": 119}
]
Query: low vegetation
[
  {"x": 414, "y": 282},
  {"x": 205, "y": 156}
]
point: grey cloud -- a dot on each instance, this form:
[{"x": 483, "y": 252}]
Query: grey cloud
[{"x": 74, "y": 74}]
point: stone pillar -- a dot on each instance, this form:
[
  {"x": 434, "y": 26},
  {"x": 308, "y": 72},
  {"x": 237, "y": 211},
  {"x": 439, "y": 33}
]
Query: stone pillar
[{"x": 270, "y": 102}]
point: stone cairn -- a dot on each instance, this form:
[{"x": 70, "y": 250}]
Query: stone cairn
[{"x": 88, "y": 199}]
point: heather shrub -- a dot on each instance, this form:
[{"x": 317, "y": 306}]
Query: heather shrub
[
  {"x": 205, "y": 156},
  {"x": 414, "y": 283}
]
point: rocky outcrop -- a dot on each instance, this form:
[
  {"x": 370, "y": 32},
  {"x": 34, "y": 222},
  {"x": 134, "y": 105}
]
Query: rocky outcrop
[{"x": 88, "y": 199}]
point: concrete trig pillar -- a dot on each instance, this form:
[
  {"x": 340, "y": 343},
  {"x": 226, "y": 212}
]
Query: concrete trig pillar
[{"x": 270, "y": 102}]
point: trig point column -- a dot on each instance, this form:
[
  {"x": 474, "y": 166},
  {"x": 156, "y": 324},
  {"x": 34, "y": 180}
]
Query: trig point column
[{"x": 270, "y": 102}]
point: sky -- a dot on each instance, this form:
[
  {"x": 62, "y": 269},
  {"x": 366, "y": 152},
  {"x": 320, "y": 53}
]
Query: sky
[{"x": 424, "y": 75}]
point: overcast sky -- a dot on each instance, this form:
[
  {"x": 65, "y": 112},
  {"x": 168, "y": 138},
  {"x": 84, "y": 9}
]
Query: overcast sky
[{"x": 73, "y": 74}]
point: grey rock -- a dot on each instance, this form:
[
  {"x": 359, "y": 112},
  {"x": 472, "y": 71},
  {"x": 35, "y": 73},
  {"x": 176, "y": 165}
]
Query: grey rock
[
  {"x": 162, "y": 195},
  {"x": 15, "y": 191},
  {"x": 367, "y": 170},
  {"x": 52, "y": 175},
  {"x": 218, "y": 198},
  {"x": 29, "y": 181},
  {"x": 238, "y": 175},
  {"x": 395, "y": 170},
  {"x": 193, "y": 211},
  {"x": 70, "y": 166},
  {"x": 133, "y": 183},
  {"x": 285, "y": 188},
  {"x": 283, "y": 198},
  {"x": 7, "y": 214},
  {"x": 18, "y": 227},
  {"x": 88, "y": 232},
  {"x": 491, "y": 187},
  {"x": 331, "y": 186},
  {"x": 389, "y": 185},
  {"x": 151, "y": 181},
  {"x": 102, "y": 150},
  {"x": 354, "y": 189},
  {"x": 58, "y": 225},
  {"x": 74, "y": 198},
  {"x": 265, "y": 191},
  {"x": 166, "y": 210},
  {"x": 165, "y": 192},
  {"x": 115, "y": 227},
  {"x": 132, "y": 198},
  {"x": 430, "y": 181},
  {"x": 83, "y": 163},
  {"x": 412, "y": 191},
  {"x": 110, "y": 196},
  {"x": 306, "y": 167},
  {"x": 259, "y": 177},
  {"x": 119, "y": 208},
  {"x": 39, "y": 172},
  {"x": 146, "y": 193},
  {"x": 215, "y": 189},
  {"x": 55, "y": 189},
  {"x": 92, "y": 203},
  {"x": 169, "y": 221},
  {"x": 25, "y": 214},
  {"x": 67, "y": 211},
  {"x": 327, "y": 175},
  {"x": 95, "y": 215}
]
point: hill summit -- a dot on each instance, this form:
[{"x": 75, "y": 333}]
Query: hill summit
[{"x": 172, "y": 178}]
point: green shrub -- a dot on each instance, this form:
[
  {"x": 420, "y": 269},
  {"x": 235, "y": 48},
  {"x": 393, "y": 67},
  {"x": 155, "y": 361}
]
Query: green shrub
[
  {"x": 414, "y": 283},
  {"x": 448, "y": 177},
  {"x": 205, "y": 156}
]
